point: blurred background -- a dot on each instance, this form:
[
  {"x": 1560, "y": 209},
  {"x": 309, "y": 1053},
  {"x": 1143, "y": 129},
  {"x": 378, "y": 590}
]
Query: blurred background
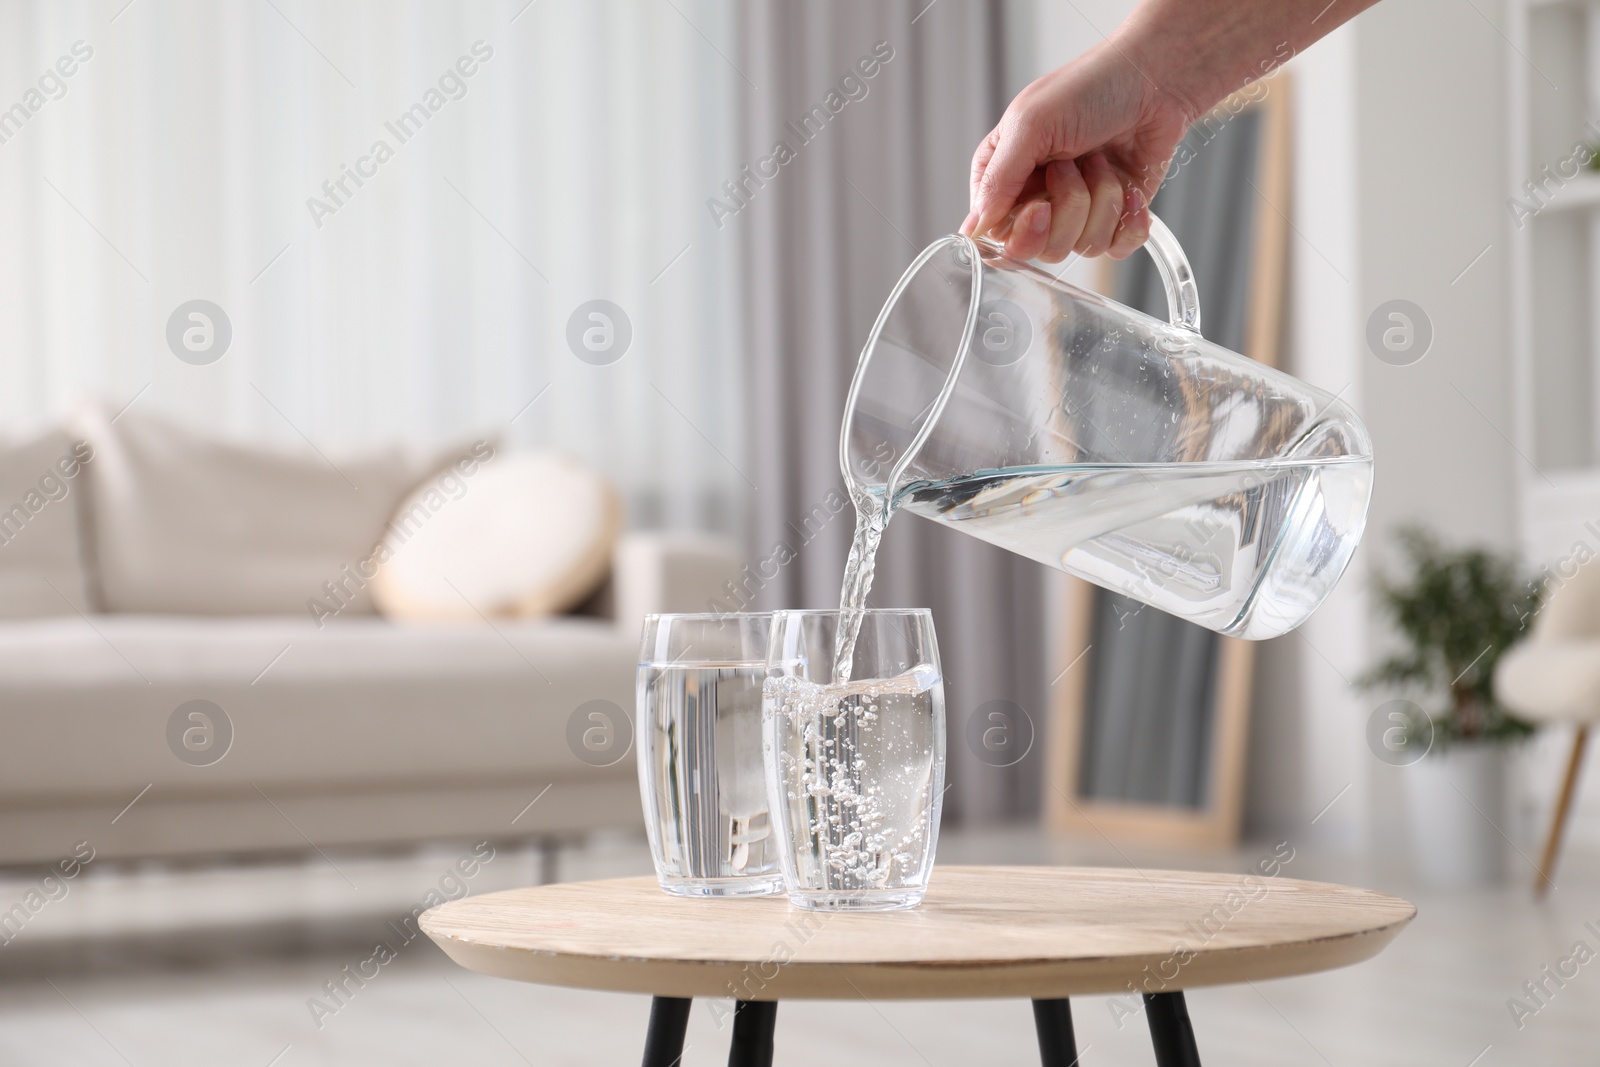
[{"x": 259, "y": 253}]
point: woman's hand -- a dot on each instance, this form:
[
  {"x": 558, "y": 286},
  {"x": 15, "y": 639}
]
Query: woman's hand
[
  {"x": 1076, "y": 159},
  {"x": 1079, "y": 154}
]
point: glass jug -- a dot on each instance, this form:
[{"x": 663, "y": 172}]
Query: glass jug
[{"x": 1128, "y": 451}]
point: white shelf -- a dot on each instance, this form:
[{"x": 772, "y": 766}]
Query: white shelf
[{"x": 1555, "y": 270}]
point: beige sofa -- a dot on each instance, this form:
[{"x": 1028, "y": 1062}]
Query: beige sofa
[{"x": 164, "y": 578}]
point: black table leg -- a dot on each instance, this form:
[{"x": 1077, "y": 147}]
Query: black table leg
[
  {"x": 753, "y": 1021},
  {"x": 1058, "y": 1047},
  {"x": 1170, "y": 1031},
  {"x": 669, "y": 1019}
]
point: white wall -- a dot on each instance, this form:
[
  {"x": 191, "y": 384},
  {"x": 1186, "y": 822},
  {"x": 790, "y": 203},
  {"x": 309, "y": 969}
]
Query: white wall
[
  {"x": 1434, "y": 132},
  {"x": 1307, "y": 746},
  {"x": 1433, "y": 81},
  {"x": 1400, "y": 182}
]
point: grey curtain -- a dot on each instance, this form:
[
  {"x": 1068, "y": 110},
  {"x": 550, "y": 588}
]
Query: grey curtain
[{"x": 823, "y": 240}]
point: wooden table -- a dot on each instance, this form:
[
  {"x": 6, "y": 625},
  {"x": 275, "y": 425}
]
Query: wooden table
[{"x": 1044, "y": 933}]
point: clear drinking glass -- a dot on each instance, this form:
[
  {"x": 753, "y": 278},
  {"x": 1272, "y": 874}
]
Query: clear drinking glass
[
  {"x": 700, "y": 768},
  {"x": 855, "y": 771}
]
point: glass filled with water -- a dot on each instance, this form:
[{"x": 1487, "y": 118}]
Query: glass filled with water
[
  {"x": 855, "y": 761},
  {"x": 700, "y": 768}
]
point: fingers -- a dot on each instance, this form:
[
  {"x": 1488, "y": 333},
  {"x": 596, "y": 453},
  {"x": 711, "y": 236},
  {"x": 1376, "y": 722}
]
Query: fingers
[
  {"x": 1069, "y": 208},
  {"x": 1066, "y": 206},
  {"x": 1048, "y": 224},
  {"x": 1029, "y": 231},
  {"x": 1105, "y": 205},
  {"x": 1133, "y": 230}
]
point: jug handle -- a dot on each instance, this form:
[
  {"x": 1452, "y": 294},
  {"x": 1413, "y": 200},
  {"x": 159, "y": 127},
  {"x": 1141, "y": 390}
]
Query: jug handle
[{"x": 1183, "y": 299}]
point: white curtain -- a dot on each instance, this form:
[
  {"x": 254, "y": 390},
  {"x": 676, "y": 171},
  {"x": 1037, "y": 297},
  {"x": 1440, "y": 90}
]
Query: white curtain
[{"x": 574, "y": 163}]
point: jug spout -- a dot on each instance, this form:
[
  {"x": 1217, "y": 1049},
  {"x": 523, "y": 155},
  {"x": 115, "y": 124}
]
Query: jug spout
[{"x": 1132, "y": 452}]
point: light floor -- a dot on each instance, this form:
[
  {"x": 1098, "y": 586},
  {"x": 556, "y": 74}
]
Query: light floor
[{"x": 217, "y": 966}]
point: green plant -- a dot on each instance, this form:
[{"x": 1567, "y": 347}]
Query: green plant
[{"x": 1457, "y": 612}]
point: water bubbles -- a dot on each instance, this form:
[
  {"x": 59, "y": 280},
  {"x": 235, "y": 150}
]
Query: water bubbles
[{"x": 861, "y": 806}]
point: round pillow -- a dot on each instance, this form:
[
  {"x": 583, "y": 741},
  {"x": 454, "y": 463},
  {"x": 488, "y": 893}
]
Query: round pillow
[{"x": 528, "y": 534}]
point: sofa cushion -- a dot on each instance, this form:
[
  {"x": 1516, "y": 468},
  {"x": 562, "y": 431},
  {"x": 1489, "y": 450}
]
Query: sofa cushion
[
  {"x": 189, "y": 524},
  {"x": 531, "y": 535},
  {"x": 359, "y": 703},
  {"x": 41, "y": 559}
]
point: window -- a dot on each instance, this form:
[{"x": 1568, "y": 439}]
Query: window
[{"x": 403, "y": 211}]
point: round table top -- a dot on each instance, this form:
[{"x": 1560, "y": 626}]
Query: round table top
[{"x": 980, "y": 932}]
